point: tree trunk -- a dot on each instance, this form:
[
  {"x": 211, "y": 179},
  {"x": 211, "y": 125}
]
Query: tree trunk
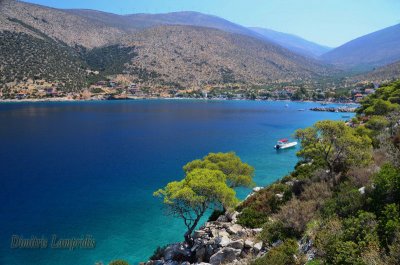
[{"x": 188, "y": 234}]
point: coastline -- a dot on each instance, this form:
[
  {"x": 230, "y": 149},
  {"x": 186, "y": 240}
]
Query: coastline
[{"x": 43, "y": 100}]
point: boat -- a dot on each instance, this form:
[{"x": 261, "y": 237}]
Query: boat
[
  {"x": 284, "y": 143},
  {"x": 301, "y": 110}
]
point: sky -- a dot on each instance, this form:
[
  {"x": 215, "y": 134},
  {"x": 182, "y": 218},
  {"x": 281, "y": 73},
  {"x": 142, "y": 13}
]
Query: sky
[{"x": 326, "y": 22}]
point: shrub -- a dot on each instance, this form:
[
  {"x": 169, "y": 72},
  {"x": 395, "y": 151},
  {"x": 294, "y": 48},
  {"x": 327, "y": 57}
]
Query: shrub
[
  {"x": 274, "y": 231},
  {"x": 284, "y": 254},
  {"x": 252, "y": 218},
  {"x": 296, "y": 214}
]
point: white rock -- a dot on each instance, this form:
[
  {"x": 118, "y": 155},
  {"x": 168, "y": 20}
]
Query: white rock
[
  {"x": 238, "y": 244},
  {"x": 257, "y": 246},
  {"x": 224, "y": 255},
  {"x": 362, "y": 190},
  {"x": 234, "y": 229},
  {"x": 255, "y": 189},
  {"x": 223, "y": 241},
  {"x": 248, "y": 243},
  {"x": 198, "y": 233}
]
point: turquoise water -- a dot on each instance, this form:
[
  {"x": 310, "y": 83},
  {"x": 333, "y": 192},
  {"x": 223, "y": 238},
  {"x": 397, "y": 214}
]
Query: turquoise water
[{"x": 89, "y": 168}]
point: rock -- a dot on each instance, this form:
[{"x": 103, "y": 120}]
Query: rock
[
  {"x": 234, "y": 229},
  {"x": 201, "y": 254},
  {"x": 232, "y": 216},
  {"x": 279, "y": 196},
  {"x": 248, "y": 243},
  {"x": 257, "y": 230},
  {"x": 177, "y": 252},
  {"x": 256, "y": 189},
  {"x": 257, "y": 246},
  {"x": 223, "y": 241},
  {"x": 224, "y": 255},
  {"x": 222, "y": 218},
  {"x": 219, "y": 233},
  {"x": 362, "y": 190},
  {"x": 199, "y": 233},
  {"x": 238, "y": 244}
]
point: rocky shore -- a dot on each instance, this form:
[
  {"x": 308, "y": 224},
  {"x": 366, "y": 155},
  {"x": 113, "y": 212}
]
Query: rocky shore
[
  {"x": 224, "y": 241},
  {"x": 217, "y": 242}
]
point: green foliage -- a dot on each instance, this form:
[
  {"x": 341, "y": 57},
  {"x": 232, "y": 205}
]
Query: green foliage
[
  {"x": 336, "y": 145},
  {"x": 384, "y": 100},
  {"x": 249, "y": 217},
  {"x": 274, "y": 231},
  {"x": 387, "y": 186},
  {"x": 24, "y": 56},
  {"x": 238, "y": 174},
  {"x": 200, "y": 190},
  {"x": 281, "y": 255},
  {"x": 389, "y": 224}
]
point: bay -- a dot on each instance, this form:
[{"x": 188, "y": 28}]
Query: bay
[{"x": 90, "y": 168}]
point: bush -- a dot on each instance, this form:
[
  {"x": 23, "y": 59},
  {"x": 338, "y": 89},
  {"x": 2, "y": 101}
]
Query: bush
[
  {"x": 252, "y": 218},
  {"x": 274, "y": 231},
  {"x": 284, "y": 254}
]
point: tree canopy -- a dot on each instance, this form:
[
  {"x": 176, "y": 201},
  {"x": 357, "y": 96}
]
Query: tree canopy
[
  {"x": 189, "y": 199},
  {"x": 335, "y": 145},
  {"x": 237, "y": 173}
]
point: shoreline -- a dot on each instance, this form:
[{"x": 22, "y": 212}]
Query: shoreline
[{"x": 44, "y": 100}]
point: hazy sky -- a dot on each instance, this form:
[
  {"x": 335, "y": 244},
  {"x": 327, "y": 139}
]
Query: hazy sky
[{"x": 327, "y": 22}]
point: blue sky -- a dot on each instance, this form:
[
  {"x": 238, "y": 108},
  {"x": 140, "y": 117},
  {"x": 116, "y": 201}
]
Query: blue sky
[{"x": 327, "y": 22}]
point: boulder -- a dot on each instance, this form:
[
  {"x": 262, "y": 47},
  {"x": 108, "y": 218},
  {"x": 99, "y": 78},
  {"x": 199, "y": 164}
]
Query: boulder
[
  {"x": 224, "y": 255},
  {"x": 222, "y": 219},
  {"x": 256, "y": 189},
  {"x": 232, "y": 216},
  {"x": 199, "y": 233},
  {"x": 238, "y": 244},
  {"x": 234, "y": 229},
  {"x": 248, "y": 243},
  {"x": 257, "y": 247},
  {"x": 177, "y": 252},
  {"x": 223, "y": 241}
]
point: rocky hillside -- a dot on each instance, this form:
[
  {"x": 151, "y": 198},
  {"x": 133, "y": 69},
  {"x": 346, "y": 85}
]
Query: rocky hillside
[
  {"x": 169, "y": 55},
  {"x": 382, "y": 74},
  {"x": 59, "y": 25},
  {"x": 195, "y": 56},
  {"x": 373, "y": 50}
]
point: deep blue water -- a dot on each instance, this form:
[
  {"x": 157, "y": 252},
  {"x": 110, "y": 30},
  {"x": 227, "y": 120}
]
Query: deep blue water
[{"x": 89, "y": 168}]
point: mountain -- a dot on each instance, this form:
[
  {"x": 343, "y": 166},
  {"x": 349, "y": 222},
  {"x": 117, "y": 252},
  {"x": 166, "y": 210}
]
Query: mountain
[
  {"x": 382, "y": 74},
  {"x": 198, "y": 55},
  {"x": 293, "y": 42},
  {"x": 373, "y": 50},
  {"x": 142, "y": 49}
]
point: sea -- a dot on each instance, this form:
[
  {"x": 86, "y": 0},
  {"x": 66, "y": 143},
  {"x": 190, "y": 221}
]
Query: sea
[{"x": 89, "y": 169}]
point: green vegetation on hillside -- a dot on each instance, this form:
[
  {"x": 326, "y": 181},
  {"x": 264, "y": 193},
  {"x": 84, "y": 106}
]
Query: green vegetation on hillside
[
  {"x": 25, "y": 57},
  {"x": 343, "y": 196}
]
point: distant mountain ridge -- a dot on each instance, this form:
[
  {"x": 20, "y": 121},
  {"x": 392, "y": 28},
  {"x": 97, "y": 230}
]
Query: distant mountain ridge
[
  {"x": 175, "y": 55},
  {"x": 293, "y": 42},
  {"x": 364, "y": 53}
]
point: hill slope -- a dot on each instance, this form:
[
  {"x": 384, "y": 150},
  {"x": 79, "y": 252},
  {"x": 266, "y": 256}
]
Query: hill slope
[
  {"x": 176, "y": 55},
  {"x": 383, "y": 74},
  {"x": 376, "y": 49},
  {"x": 195, "y": 55},
  {"x": 293, "y": 43}
]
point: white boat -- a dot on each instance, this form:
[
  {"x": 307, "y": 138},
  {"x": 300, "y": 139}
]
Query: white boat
[{"x": 284, "y": 143}]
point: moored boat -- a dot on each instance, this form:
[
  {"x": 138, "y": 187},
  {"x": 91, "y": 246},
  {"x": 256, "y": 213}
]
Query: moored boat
[{"x": 284, "y": 143}]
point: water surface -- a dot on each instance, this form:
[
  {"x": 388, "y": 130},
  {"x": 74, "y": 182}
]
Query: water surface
[{"x": 90, "y": 168}]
